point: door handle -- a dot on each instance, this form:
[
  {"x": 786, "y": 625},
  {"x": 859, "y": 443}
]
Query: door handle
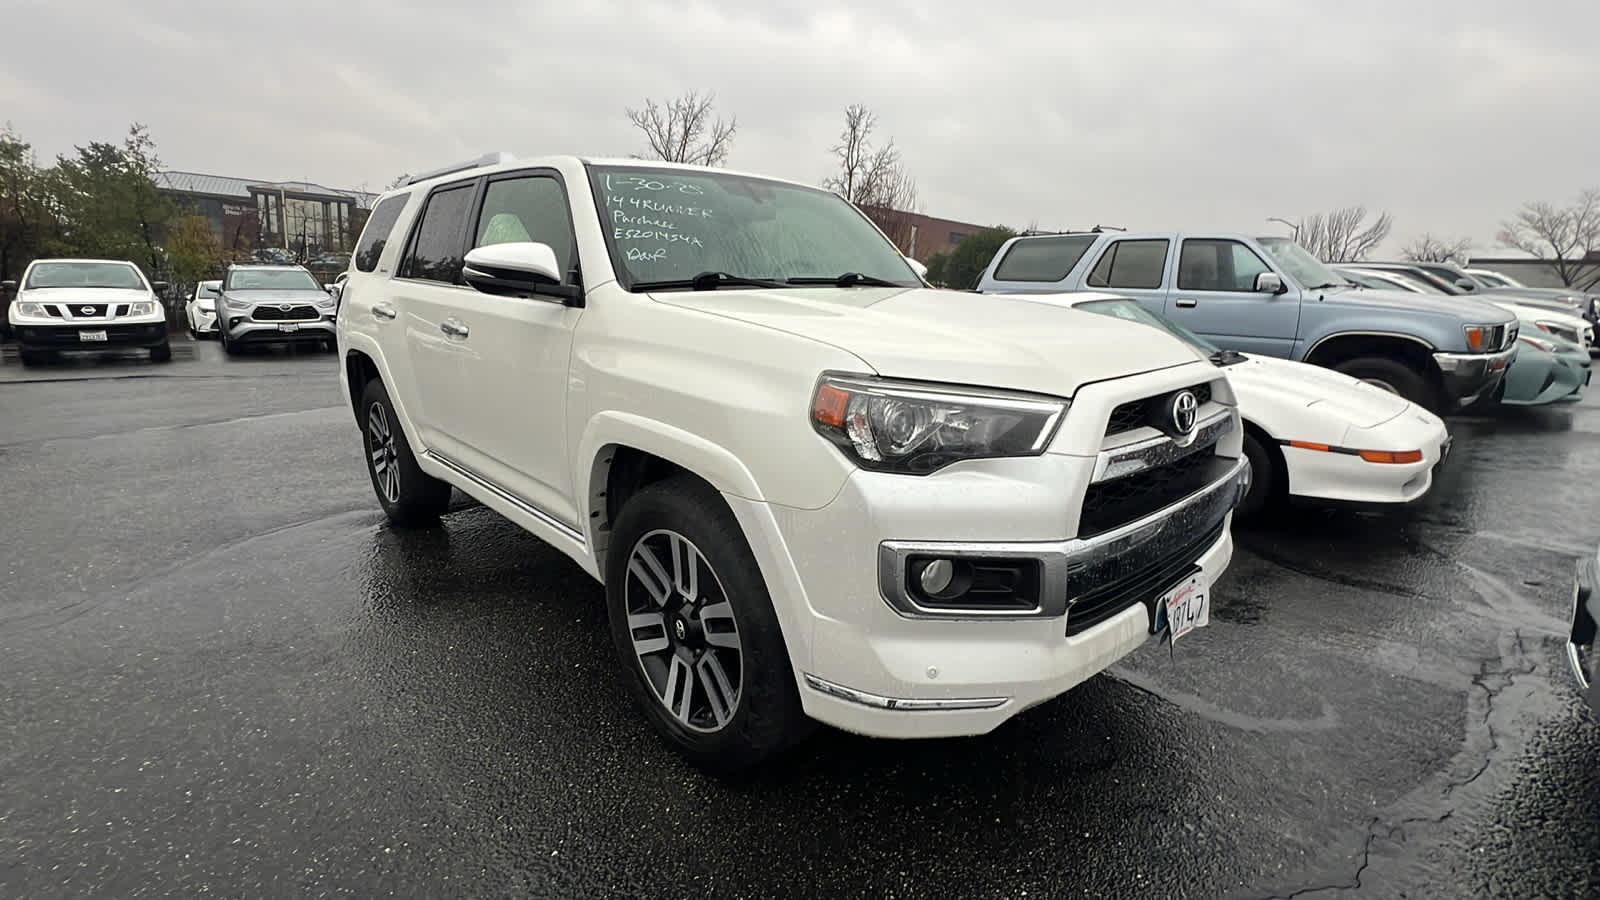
[
  {"x": 383, "y": 311},
  {"x": 1185, "y": 304},
  {"x": 454, "y": 327}
]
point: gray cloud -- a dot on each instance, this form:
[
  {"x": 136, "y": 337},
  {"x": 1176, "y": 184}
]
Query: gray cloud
[{"x": 1159, "y": 113}]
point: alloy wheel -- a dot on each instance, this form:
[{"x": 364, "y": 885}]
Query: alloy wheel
[
  {"x": 381, "y": 448},
  {"x": 683, "y": 630}
]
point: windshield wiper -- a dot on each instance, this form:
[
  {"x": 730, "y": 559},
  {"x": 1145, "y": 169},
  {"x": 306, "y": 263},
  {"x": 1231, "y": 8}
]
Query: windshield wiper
[
  {"x": 1226, "y": 357},
  {"x": 706, "y": 281},
  {"x": 848, "y": 279}
]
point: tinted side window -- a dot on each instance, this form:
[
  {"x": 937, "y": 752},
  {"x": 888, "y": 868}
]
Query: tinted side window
[
  {"x": 533, "y": 208},
  {"x": 1043, "y": 259},
  {"x": 1209, "y": 265},
  {"x": 1131, "y": 264},
  {"x": 436, "y": 253},
  {"x": 376, "y": 234}
]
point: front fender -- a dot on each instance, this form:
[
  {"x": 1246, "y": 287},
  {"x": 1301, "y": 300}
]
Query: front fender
[{"x": 711, "y": 461}]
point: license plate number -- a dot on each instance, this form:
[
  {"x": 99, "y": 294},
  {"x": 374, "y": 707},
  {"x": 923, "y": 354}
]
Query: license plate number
[
  {"x": 1187, "y": 606},
  {"x": 288, "y": 327},
  {"x": 91, "y": 335}
]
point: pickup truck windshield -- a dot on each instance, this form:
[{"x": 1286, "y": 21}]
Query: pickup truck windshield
[
  {"x": 665, "y": 227},
  {"x": 271, "y": 280},
  {"x": 85, "y": 275},
  {"x": 1128, "y": 309},
  {"x": 1312, "y": 273}
]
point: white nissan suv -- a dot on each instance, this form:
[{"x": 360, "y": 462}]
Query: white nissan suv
[{"x": 813, "y": 488}]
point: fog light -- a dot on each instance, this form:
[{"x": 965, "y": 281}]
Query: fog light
[{"x": 936, "y": 576}]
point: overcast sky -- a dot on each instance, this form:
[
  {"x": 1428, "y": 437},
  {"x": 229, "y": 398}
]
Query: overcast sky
[{"x": 1153, "y": 114}]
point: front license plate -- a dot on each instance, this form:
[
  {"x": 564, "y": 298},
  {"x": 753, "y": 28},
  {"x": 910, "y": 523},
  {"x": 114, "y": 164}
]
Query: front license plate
[
  {"x": 1188, "y": 606},
  {"x": 288, "y": 327},
  {"x": 91, "y": 335}
]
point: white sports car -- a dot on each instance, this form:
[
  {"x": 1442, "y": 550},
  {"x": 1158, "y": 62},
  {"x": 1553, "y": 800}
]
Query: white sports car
[{"x": 1309, "y": 431}]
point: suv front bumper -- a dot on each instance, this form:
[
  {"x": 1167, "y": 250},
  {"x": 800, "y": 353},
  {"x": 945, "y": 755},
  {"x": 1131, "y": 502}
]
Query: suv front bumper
[
  {"x": 241, "y": 329},
  {"x": 1468, "y": 376},
  {"x": 865, "y": 664}
]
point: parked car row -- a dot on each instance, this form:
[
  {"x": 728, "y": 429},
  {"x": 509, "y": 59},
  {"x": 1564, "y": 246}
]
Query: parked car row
[
  {"x": 103, "y": 304},
  {"x": 816, "y": 489}
]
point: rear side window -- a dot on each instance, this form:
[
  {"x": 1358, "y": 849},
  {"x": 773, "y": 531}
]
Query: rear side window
[
  {"x": 436, "y": 253},
  {"x": 1043, "y": 259},
  {"x": 1134, "y": 264},
  {"x": 376, "y": 234}
]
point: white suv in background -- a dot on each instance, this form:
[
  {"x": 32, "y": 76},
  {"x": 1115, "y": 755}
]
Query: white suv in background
[
  {"x": 86, "y": 304},
  {"x": 813, "y": 488}
]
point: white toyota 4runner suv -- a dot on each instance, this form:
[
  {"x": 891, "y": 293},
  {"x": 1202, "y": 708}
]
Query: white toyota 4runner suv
[{"x": 813, "y": 488}]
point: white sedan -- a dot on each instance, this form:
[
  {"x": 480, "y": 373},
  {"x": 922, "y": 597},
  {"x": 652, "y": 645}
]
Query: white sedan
[
  {"x": 1309, "y": 431},
  {"x": 201, "y": 309}
]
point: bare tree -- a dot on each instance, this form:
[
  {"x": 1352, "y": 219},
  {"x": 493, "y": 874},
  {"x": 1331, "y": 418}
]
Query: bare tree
[
  {"x": 1342, "y": 235},
  {"x": 399, "y": 181},
  {"x": 1428, "y": 248},
  {"x": 874, "y": 178},
  {"x": 683, "y": 131},
  {"x": 1567, "y": 239}
]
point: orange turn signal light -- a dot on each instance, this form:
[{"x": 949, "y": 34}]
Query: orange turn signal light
[
  {"x": 1391, "y": 456},
  {"x": 829, "y": 405},
  {"x": 1307, "y": 445}
]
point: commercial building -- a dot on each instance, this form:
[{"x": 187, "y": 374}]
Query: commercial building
[{"x": 297, "y": 220}]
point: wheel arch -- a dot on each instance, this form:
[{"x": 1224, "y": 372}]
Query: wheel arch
[
  {"x": 1409, "y": 350},
  {"x": 359, "y": 367}
]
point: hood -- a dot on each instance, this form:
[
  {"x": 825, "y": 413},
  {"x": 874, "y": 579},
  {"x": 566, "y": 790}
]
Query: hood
[
  {"x": 306, "y": 295},
  {"x": 991, "y": 340},
  {"x": 1528, "y": 315},
  {"x": 1263, "y": 382},
  {"x": 1463, "y": 308},
  {"x": 84, "y": 295}
]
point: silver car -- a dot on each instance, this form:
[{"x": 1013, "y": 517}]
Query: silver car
[{"x": 270, "y": 304}]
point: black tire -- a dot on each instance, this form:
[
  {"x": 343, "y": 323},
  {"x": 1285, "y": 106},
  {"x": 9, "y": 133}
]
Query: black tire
[
  {"x": 410, "y": 497},
  {"x": 1393, "y": 376},
  {"x": 161, "y": 353},
  {"x": 1267, "y": 479},
  {"x": 766, "y": 717},
  {"x": 228, "y": 347},
  {"x": 35, "y": 357}
]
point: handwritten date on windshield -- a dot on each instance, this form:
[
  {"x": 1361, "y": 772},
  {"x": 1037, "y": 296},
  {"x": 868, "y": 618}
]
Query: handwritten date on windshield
[{"x": 645, "y": 183}]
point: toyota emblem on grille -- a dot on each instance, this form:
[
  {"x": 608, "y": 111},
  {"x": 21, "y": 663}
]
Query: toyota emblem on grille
[
  {"x": 86, "y": 310},
  {"x": 1185, "y": 409},
  {"x": 286, "y": 306}
]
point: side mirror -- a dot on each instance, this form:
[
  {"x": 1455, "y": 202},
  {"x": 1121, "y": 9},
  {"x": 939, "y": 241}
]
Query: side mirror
[
  {"x": 159, "y": 286},
  {"x": 1269, "y": 283},
  {"x": 517, "y": 269},
  {"x": 1465, "y": 285},
  {"x": 919, "y": 268}
]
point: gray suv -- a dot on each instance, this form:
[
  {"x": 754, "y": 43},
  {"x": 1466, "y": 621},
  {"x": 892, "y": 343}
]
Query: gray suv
[{"x": 263, "y": 304}]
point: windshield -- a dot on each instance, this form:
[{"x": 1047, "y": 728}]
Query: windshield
[
  {"x": 1304, "y": 268},
  {"x": 670, "y": 225},
  {"x": 272, "y": 280},
  {"x": 1132, "y": 311},
  {"x": 85, "y": 275}
]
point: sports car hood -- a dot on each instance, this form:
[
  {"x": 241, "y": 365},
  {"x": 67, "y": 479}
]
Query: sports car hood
[
  {"x": 956, "y": 336},
  {"x": 1266, "y": 385}
]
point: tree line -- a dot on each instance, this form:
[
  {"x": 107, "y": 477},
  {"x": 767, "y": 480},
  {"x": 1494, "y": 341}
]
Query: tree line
[{"x": 875, "y": 178}]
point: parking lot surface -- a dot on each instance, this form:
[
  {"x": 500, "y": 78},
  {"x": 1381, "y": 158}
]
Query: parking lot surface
[{"x": 221, "y": 671}]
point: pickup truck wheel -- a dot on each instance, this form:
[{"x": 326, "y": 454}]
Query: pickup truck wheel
[
  {"x": 695, "y": 629},
  {"x": 409, "y": 496},
  {"x": 1394, "y": 377},
  {"x": 161, "y": 353}
]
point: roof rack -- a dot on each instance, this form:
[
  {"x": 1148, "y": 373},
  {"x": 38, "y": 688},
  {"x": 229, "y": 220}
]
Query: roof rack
[{"x": 488, "y": 159}]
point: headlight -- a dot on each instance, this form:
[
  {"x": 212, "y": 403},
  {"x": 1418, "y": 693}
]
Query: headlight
[
  {"x": 31, "y": 309},
  {"x": 232, "y": 303},
  {"x": 1560, "y": 331},
  {"x": 916, "y": 428},
  {"x": 143, "y": 308},
  {"x": 326, "y": 302},
  {"x": 1541, "y": 343}
]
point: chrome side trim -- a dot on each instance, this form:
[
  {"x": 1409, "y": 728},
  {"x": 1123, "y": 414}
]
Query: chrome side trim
[
  {"x": 506, "y": 495},
  {"x": 879, "y": 702},
  {"x": 1063, "y": 562},
  {"x": 1158, "y": 451}
]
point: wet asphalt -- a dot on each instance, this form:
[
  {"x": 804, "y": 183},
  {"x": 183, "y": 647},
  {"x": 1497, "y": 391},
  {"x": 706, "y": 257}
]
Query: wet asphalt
[{"x": 220, "y": 672}]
